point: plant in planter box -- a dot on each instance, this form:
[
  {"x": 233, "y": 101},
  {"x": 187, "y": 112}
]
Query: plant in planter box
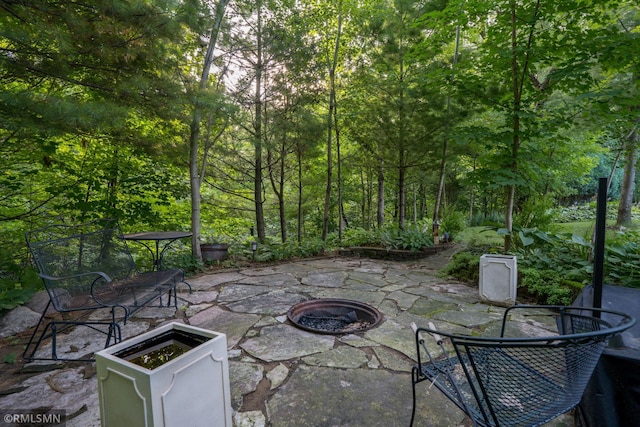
[{"x": 214, "y": 248}]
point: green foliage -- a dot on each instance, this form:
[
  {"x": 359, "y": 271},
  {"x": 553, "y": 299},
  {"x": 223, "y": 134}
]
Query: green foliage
[
  {"x": 354, "y": 237},
  {"x": 568, "y": 255},
  {"x": 412, "y": 238},
  {"x": 548, "y": 286},
  {"x": 536, "y": 212},
  {"x": 453, "y": 223},
  {"x": 487, "y": 219},
  {"x": 622, "y": 264},
  {"x": 464, "y": 266},
  {"x": 184, "y": 260},
  {"x": 15, "y": 291},
  {"x": 553, "y": 267},
  {"x": 587, "y": 211},
  {"x": 275, "y": 251}
]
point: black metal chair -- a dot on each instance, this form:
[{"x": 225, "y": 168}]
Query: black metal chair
[
  {"x": 87, "y": 267},
  {"x": 515, "y": 380}
]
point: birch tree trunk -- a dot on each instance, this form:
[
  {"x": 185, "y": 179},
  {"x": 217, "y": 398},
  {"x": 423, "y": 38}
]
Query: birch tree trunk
[{"x": 195, "y": 178}]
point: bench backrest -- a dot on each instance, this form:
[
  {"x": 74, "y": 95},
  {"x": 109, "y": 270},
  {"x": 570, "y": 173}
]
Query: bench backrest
[{"x": 68, "y": 252}]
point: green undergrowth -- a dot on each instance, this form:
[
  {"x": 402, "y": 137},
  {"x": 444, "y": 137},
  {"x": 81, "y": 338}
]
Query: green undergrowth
[{"x": 553, "y": 267}]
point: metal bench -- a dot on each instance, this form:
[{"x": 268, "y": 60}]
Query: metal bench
[
  {"x": 523, "y": 381},
  {"x": 88, "y": 267}
]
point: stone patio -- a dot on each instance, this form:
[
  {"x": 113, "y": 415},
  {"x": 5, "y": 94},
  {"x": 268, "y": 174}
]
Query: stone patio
[{"x": 280, "y": 375}]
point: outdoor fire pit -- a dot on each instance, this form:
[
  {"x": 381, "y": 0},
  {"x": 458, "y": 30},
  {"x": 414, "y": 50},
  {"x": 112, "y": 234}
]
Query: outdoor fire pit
[{"x": 334, "y": 316}]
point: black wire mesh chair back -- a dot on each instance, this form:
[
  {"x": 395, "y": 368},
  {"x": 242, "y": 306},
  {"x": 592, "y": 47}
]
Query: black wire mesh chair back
[
  {"x": 70, "y": 251},
  {"x": 517, "y": 381}
]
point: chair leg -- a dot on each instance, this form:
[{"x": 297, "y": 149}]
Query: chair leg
[{"x": 414, "y": 381}]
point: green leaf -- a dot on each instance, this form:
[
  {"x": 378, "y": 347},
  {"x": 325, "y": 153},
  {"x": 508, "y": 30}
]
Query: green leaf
[{"x": 526, "y": 240}]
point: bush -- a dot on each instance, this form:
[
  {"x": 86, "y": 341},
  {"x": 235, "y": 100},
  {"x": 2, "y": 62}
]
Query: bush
[
  {"x": 536, "y": 212},
  {"x": 452, "y": 223},
  {"x": 412, "y": 238},
  {"x": 276, "y": 251},
  {"x": 622, "y": 260},
  {"x": 487, "y": 219},
  {"x": 354, "y": 237},
  {"x": 15, "y": 291},
  {"x": 464, "y": 266},
  {"x": 548, "y": 287}
]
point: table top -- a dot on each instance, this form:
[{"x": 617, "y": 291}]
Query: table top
[{"x": 158, "y": 235}]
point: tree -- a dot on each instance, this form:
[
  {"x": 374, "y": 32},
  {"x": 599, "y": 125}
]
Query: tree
[
  {"x": 524, "y": 60},
  {"x": 331, "y": 121},
  {"x": 84, "y": 74},
  {"x": 197, "y": 169}
]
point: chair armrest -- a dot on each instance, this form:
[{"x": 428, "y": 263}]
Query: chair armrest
[{"x": 431, "y": 332}]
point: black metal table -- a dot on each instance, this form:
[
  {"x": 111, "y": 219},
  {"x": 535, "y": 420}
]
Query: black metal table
[{"x": 157, "y": 237}]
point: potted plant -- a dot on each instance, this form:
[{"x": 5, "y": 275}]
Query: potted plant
[{"x": 214, "y": 248}]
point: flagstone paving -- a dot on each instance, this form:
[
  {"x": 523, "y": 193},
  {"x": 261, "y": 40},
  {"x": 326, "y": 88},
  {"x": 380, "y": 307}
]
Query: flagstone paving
[{"x": 280, "y": 375}]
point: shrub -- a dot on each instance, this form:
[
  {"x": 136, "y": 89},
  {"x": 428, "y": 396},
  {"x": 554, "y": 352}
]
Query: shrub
[
  {"x": 412, "y": 238},
  {"x": 536, "y": 212},
  {"x": 548, "y": 287},
  {"x": 464, "y": 266},
  {"x": 452, "y": 223},
  {"x": 487, "y": 219},
  {"x": 354, "y": 237},
  {"x": 15, "y": 291},
  {"x": 622, "y": 260},
  {"x": 277, "y": 251}
]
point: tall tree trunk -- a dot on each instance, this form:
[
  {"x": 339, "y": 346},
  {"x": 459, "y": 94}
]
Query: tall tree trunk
[
  {"x": 380, "y": 209},
  {"x": 443, "y": 161},
  {"x": 257, "y": 127},
  {"x": 402, "y": 154},
  {"x": 628, "y": 179},
  {"x": 402, "y": 190},
  {"x": 299, "y": 158},
  {"x": 330, "y": 118},
  {"x": 472, "y": 194},
  {"x": 518, "y": 75},
  {"x": 341, "y": 217},
  {"x": 443, "y": 171},
  {"x": 276, "y": 177},
  {"x": 195, "y": 178}
]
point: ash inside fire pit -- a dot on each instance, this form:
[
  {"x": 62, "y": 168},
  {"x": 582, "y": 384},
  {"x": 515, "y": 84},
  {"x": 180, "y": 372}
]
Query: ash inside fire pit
[{"x": 334, "y": 316}]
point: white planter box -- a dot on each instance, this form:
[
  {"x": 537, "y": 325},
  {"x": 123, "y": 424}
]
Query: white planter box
[
  {"x": 190, "y": 390},
  {"x": 498, "y": 279}
]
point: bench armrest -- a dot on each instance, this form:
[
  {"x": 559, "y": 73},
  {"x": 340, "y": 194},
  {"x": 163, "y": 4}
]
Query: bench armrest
[{"x": 90, "y": 273}]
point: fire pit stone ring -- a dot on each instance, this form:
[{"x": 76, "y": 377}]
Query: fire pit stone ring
[{"x": 334, "y": 316}]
